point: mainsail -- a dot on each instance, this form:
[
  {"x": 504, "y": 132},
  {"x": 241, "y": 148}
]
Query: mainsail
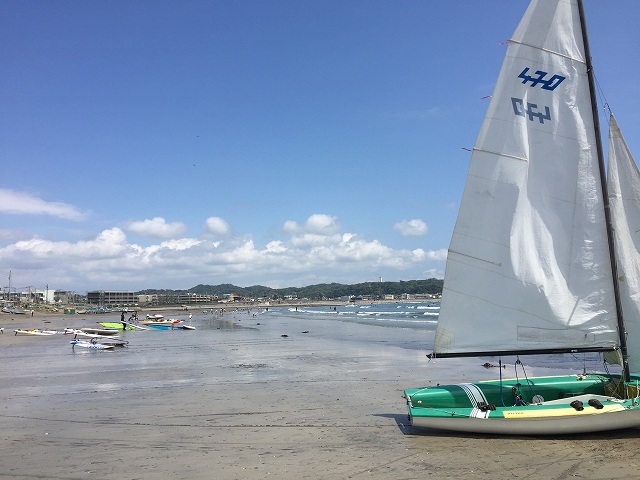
[
  {"x": 528, "y": 268},
  {"x": 623, "y": 185}
]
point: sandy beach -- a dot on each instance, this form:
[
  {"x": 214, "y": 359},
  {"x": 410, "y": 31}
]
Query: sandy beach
[{"x": 246, "y": 397}]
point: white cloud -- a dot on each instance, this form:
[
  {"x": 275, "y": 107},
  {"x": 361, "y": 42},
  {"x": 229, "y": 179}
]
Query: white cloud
[
  {"x": 157, "y": 228},
  {"x": 275, "y": 247},
  {"x": 216, "y": 226},
  {"x": 108, "y": 244},
  {"x": 181, "y": 244},
  {"x": 439, "y": 255},
  {"x": 21, "y": 203},
  {"x": 411, "y": 228},
  {"x": 318, "y": 223},
  {"x": 290, "y": 226},
  {"x": 313, "y": 239},
  {"x": 316, "y": 249}
]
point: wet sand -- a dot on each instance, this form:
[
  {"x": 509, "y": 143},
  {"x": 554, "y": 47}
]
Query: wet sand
[{"x": 235, "y": 399}]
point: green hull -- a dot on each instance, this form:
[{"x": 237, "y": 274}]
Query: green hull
[
  {"x": 116, "y": 325},
  {"x": 541, "y": 405}
]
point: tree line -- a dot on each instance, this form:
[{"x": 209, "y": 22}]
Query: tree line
[{"x": 322, "y": 291}]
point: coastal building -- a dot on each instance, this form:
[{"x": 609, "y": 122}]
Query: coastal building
[
  {"x": 420, "y": 296},
  {"x": 27, "y": 297},
  {"x": 67, "y": 297},
  {"x": 148, "y": 299},
  {"x": 106, "y": 298},
  {"x": 176, "y": 298}
]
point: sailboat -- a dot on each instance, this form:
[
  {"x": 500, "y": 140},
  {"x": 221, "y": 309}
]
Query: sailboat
[{"x": 543, "y": 257}]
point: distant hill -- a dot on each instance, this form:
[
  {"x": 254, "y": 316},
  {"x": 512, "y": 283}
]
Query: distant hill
[{"x": 316, "y": 292}]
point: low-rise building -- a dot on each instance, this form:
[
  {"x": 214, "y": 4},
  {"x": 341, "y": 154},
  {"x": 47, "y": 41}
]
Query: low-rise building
[{"x": 107, "y": 297}]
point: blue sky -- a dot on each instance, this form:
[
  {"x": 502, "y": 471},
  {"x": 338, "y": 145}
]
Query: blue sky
[{"x": 164, "y": 144}]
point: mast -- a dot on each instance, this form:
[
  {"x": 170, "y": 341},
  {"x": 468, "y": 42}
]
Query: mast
[{"x": 622, "y": 333}]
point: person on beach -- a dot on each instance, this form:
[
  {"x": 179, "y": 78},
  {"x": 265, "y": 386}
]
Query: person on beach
[{"x": 124, "y": 324}]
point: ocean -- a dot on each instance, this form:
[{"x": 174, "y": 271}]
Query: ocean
[
  {"x": 390, "y": 337},
  {"x": 411, "y": 326}
]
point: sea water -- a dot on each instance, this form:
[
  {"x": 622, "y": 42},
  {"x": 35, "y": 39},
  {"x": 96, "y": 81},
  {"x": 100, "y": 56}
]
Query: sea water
[
  {"x": 265, "y": 344},
  {"x": 411, "y": 326},
  {"x": 406, "y": 325}
]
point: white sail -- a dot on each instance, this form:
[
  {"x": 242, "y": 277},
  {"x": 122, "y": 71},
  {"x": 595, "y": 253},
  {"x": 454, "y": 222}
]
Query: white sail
[
  {"x": 528, "y": 265},
  {"x": 623, "y": 185}
]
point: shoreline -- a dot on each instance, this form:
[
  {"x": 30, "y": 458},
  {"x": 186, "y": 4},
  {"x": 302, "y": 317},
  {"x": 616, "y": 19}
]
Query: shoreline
[{"x": 174, "y": 309}]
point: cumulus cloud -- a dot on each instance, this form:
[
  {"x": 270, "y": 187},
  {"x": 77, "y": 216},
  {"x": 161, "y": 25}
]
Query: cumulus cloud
[
  {"x": 22, "y": 203},
  {"x": 411, "y": 228},
  {"x": 315, "y": 249},
  {"x": 318, "y": 223},
  {"x": 108, "y": 244},
  {"x": 216, "y": 226},
  {"x": 157, "y": 228}
]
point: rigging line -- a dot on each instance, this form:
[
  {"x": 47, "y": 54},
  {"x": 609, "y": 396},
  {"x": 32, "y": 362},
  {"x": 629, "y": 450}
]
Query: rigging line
[
  {"x": 524, "y": 371},
  {"x": 515, "y": 369},
  {"x": 500, "y": 367},
  {"x": 600, "y": 93},
  {"x": 605, "y": 365},
  {"x": 582, "y": 360}
]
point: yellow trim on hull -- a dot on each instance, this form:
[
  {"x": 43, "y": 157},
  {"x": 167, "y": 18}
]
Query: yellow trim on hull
[{"x": 559, "y": 412}]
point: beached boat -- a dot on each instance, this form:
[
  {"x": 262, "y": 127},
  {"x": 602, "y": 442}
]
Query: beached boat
[
  {"x": 105, "y": 340},
  {"x": 156, "y": 316},
  {"x": 117, "y": 325},
  {"x": 184, "y": 326},
  {"x": 85, "y": 344},
  {"x": 100, "y": 331},
  {"x": 542, "y": 258},
  {"x": 34, "y": 331},
  {"x": 168, "y": 324},
  {"x": 163, "y": 321},
  {"x": 13, "y": 311}
]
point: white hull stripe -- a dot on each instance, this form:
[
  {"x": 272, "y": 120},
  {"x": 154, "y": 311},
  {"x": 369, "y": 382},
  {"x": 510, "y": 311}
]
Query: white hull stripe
[{"x": 475, "y": 396}]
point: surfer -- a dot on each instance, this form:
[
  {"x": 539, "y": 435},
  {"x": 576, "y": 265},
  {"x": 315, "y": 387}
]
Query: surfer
[{"x": 124, "y": 324}]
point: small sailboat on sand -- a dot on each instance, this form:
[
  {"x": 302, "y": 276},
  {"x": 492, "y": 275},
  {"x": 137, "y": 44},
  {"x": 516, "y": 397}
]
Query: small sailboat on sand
[
  {"x": 91, "y": 345},
  {"x": 542, "y": 258},
  {"x": 164, "y": 324},
  {"x": 34, "y": 331}
]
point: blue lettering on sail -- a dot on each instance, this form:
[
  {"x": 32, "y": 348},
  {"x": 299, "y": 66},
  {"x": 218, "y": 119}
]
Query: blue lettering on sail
[
  {"x": 531, "y": 110},
  {"x": 549, "y": 84}
]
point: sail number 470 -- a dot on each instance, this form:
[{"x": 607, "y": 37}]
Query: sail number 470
[{"x": 549, "y": 84}]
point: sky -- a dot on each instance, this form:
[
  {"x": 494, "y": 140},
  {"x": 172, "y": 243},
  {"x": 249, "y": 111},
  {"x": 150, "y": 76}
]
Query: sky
[{"x": 166, "y": 144}]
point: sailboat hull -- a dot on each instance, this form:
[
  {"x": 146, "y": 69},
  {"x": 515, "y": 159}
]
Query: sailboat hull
[
  {"x": 540, "y": 406},
  {"x": 591, "y": 421}
]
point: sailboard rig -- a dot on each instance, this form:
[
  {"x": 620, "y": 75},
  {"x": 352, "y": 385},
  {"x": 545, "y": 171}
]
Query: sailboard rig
[{"x": 542, "y": 259}]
